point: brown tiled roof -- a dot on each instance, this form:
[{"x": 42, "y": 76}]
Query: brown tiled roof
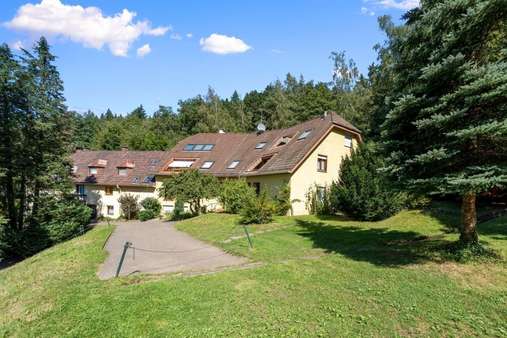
[
  {"x": 235, "y": 146},
  {"x": 139, "y": 164}
]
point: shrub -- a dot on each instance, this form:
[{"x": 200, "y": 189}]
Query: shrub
[
  {"x": 282, "y": 200},
  {"x": 56, "y": 220},
  {"x": 152, "y": 204},
  {"x": 234, "y": 194},
  {"x": 362, "y": 190},
  {"x": 318, "y": 201},
  {"x": 190, "y": 186},
  {"x": 129, "y": 206},
  {"x": 258, "y": 210},
  {"x": 146, "y": 214}
]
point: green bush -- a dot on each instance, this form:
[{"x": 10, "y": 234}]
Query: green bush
[
  {"x": 234, "y": 194},
  {"x": 129, "y": 206},
  {"x": 362, "y": 190},
  {"x": 56, "y": 220},
  {"x": 258, "y": 210},
  {"x": 152, "y": 204},
  {"x": 145, "y": 215},
  {"x": 282, "y": 200},
  {"x": 318, "y": 201}
]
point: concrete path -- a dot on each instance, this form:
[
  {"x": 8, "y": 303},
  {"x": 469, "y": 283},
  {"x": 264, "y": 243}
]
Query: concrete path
[{"x": 160, "y": 248}]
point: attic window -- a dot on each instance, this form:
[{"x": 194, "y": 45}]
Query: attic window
[
  {"x": 304, "y": 134},
  {"x": 262, "y": 162},
  {"x": 233, "y": 164},
  {"x": 135, "y": 179},
  {"x": 74, "y": 169},
  {"x": 93, "y": 170},
  {"x": 178, "y": 164},
  {"x": 149, "y": 179},
  {"x": 260, "y": 145},
  {"x": 207, "y": 164},
  {"x": 198, "y": 147},
  {"x": 154, "y": 161},
  {"x": 348, "y": 142},
  {"x": 283, "y": 141},
  {"x": 123, "y": 171}
]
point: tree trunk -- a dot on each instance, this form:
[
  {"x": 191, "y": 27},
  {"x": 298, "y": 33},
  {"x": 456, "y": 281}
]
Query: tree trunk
[{"x": 469, "y": 219}]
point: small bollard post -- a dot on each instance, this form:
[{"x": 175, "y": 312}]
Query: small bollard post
[
  {"x": 125, "y": 248},
  {"x": 248, "y": 237}
]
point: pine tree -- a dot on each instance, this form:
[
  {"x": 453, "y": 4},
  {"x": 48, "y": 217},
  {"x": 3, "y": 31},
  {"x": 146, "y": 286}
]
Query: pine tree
[{"x": 446, "y": 130}]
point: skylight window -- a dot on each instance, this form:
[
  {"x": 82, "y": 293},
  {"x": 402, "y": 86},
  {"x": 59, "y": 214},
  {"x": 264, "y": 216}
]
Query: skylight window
[
  {"x": 198, "y": 147},
  {"x": 207, "y": 164},
  {"x": 233, "y": 164},
  {"x": 178, "y": 164},
  {"x": 304, "y": 134},
  {"x": 260, "y": 145}
]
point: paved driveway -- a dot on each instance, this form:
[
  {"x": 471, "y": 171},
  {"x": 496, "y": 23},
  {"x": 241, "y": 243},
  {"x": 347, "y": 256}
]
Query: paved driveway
[{"x": 159, "y": 248}]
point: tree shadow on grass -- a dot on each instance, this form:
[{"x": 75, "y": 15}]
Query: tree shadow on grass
[{"x": 379, "y": 246}]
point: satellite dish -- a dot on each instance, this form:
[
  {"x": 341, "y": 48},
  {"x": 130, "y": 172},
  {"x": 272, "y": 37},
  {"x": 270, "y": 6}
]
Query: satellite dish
[{"x": 261, "y": 128}]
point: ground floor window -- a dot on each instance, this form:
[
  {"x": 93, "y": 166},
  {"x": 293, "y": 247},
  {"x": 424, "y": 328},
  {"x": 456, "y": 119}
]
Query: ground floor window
[
  {"x": 168, "y": 208},
  {"x": 109, "y": 190},
  {"x": 321, "y": 192},
  {"x": 256, "y": 186},
  {"x": 110, "y": 210},
  {"x": 80, "y": 189}
]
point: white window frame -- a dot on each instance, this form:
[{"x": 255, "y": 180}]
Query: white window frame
[
  {"x": 181, "y": 164},
  {"x": 93, "y": 170},
  {"x": 233, "y": 164},
  {"x": 305, "y": 134},
  {"x": 123, "y": 171},
  {"x": 110, "y": 207},
  {"x": 347, "y": 141},
  {"x": 260, "y": 145},
  {"x": 207, "y": 164}
]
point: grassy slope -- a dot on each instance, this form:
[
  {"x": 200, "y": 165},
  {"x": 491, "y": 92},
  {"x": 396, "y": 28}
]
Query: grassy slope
[{"x": 320, "y": 276}]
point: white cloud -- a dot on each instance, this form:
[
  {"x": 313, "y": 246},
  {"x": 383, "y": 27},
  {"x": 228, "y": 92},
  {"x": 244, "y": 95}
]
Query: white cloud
[
  {"x": 223, "y": 44},
  {"x": 144, "y": 50},
  {"x": 189, "y": 35},
  {"x": 85, "y": 25},
  {"x": 366, "y": 11},
  {"x": 277, "y": 51},
  {"x": 17, "y": 45},
  {"x": 175, "y": 36},
  {"x": 403, "y": 4}
]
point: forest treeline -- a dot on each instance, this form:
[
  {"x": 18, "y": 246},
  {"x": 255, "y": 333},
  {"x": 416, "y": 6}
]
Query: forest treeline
[{"x": 281, "y": 104}]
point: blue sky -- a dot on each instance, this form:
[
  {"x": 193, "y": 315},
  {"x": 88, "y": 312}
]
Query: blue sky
[{"x": 172, "y": 50}]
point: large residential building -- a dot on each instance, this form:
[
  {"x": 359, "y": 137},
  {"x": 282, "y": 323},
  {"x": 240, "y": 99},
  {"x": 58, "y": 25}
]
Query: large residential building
[{"x": 305, "y": 156}]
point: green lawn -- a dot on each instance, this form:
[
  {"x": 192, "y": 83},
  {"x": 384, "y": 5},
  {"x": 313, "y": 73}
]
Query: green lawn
[{"x": 319, "y": 277}]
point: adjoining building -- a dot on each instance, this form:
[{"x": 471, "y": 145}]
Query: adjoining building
[{"x": 305, "y": 156}]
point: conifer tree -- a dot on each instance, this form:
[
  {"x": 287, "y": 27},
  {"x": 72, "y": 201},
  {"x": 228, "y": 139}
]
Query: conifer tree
[{"x": 446, "y": 130}]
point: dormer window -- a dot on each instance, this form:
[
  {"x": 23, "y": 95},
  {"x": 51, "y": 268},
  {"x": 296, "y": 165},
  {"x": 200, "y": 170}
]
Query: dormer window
[
  {"x": 93, "y": 170},
  {"x": 283, "y": 141},
  {"x": 260, "y": 145},
  {"x": 123, "y": 171},
  {"x": 181, "y": 164},
  {"x": 233, "y": 164},
  {"x": 262, "y": 162}
]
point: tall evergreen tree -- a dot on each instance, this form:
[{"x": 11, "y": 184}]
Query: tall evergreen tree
[{"x": 446, "y": 130}]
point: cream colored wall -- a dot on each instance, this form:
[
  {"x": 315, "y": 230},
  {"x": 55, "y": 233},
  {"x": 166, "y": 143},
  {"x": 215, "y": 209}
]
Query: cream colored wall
[
  {"x": 306, "y": 176},
  {"x": 270, "y": 183},
  {"x": 96, "y": 195}
]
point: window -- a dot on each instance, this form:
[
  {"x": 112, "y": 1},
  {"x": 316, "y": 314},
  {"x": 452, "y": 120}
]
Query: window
[
  {"x": 321, "y": 193},
  {"x": 168, "y": 208},
  {"x": 260, "y": 145},
  {"x": 256, "y": 186},
  {"x": 136, "y": 179},
  {"x": 154, "y": 161},
  {"x": 74, "y": 169},
  {"x": 198, "y": 147},
  {"x": 207, "y": 164},
  {"x": 304, "y": 134},
  {"x": 149, "y": 179},
  {"x": 233, "y": 164},
  {"x": 109, "y": 190},
  {"x": 93, "y": 170},
  {"x": 262, "y": 162},
  {"x": 283, "y": 141},
  {"x": 80, "y": 189},
  {"x": 322, "y": 163},
  {"x": 178, "y": 164},
  {"x": 110, "y": 210},
  {"x": 123, "y": 171},
  {"x": 348, "y": 142}
]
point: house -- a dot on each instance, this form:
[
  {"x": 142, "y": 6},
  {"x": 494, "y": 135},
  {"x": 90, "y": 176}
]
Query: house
[{"x": 305, "y": 156}]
